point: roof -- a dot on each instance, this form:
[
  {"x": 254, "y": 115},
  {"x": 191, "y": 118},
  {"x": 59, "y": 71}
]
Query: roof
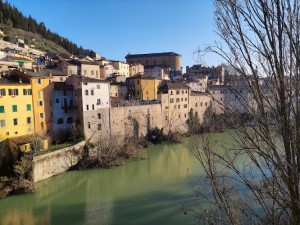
[
  {"x": 173, "y": 86},
  {"x": 139, "y": 76},
  {"x": 89, "y": 79},
  {"x": 62, "y": 86},
  {"x": 53, "y": 72},
  {"x": 11, "y": 80},
  {"x": 31, "y": 74},
  {"x": 78, "y": 62},
  {"x": 119, "y": 84},
  {"x": 218, "y": 87},
  {"x": 198, "y": 93},
  {"x": 151, "y": 55}
]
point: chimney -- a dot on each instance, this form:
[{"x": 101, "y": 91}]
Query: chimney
[
  {"x": 50, "y": 74},
  {"x": 20, "y": 80},
  {"x": 34, "y": 70}
]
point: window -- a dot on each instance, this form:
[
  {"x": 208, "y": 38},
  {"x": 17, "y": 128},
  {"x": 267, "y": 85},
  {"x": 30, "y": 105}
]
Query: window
[
  {"x": 2, "y": 92},
  {"x": 87, "y": 107},
  {"x": 2, "y": 123},
  {"x": 60, "y": 121},
  {"x": 89, "y": 125},
  {"x": 15, "y": 108},
  {"x": 40, "y": 103},
  {"x": 201, "y": 104},
  {"x": 99, "y": 126},
  {"x": 38, "y": 81},
  {"x": 182, "y": 99},
  {"x": 175, "y": 106},
  {"x": 196, "y": 104},
  {"x": 86, "y": 92},
  {"x": 28, "y": 107},
  {"x": 57, "y": 100},
  {"x": 171, "y": 92},
  {"x": 185, "y": 106},
  {"x": 65, "y": 92},
  {"x": 182, "y": 92},
  {"x": 177, "y": 92},
  {"x": 97, "y": 75},
  {"x": 185, "y": 115},
  {"x": 166, "y": 118},
  {"x": 185, "y": 99},
  {"x": 98, "y": 101},
  {"x": 92, "y": 92},
  {"x": 13, "y": 92},
  {"x": 15, "y": 121},
  {"x": 84, "y": 72},
  {"x": 1, "y": 108},
  {"x": 27, "y": 92},
  {"x": 70, "y": 120},
  {"x": 28, "y": 119},
  {"x": 40, "y": 94},
  {"x": 138, "y": 93},
  {"x": 177, "y": 99},
  {"x": 98, "y": 86},
  {"x": 178, "y": 116},
  {"x": 196, "y": 113},
  {"x": 93, "y": 107},
  {"x": 92, "y": 72},
  {"x": 41, "y": 115},
  {"x": 137, "y": 82},
  {"x": 178, "y": 106},
  {"x": 99, "y": 116},
  {"x": 171, "y": 100},
  {"x": 205, "y": 103}
]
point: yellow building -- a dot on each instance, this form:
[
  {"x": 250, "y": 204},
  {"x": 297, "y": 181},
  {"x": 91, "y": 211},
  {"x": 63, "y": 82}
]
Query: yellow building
[
  {"x": 41, "y": 86},
  {"x": 144, "y": 87},
  {"x": 16, "y": 110}
]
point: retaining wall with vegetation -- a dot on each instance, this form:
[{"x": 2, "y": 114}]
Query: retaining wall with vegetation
[{"x": 51, "y": 164}]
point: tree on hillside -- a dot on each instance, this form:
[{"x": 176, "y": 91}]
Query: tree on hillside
[{"x": 256, "y": 181}]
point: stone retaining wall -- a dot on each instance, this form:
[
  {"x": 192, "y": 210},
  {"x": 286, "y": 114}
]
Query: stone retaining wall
[{"x": 51, "y": 164}]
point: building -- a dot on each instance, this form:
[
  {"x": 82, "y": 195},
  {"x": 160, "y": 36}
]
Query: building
[
  {"x": 136, "y": 69},
  {"x": 170, "y": 60},
  {"x": 198, "y": 104},
  {"x": 65, "y": 110},
  {"x": 84, "y": 68},
  {"x": 16, "y": 109},
  {"x": 107, "y": 70},
  {"x": 163, "y": 73},
  {"x": 93, "y": 99},
  {"x": 121, "y": 68},
  {"x": 143, "y": 87},
  {"x": 174, "y": 99},
  {"x": 41, "y": 99},
  {"x": 119, "y": 90}
]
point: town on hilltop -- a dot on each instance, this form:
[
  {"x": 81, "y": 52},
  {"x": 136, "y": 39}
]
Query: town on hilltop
[{"x": 59, "y": 97}]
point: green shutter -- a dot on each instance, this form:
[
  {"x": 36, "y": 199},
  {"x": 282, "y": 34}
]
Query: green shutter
[
  {"x": 15, "y": 108},
  {"x": 28, "y": 107},
  {"x": 1, "y": 108}
]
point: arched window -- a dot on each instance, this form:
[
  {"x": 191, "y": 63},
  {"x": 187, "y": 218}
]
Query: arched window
[
  {"x": 70, "y": 120},
  {"x": 60, "y": 121}
]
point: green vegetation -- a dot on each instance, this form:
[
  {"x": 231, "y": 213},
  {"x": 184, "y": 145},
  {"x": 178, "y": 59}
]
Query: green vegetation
[{"x": 11, "y": 17}]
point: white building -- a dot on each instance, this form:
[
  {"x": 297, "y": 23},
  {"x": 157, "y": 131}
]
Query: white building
[{"x": 93, "y": 97}]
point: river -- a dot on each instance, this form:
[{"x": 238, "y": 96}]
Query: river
[{"x": 146, "y": 191}]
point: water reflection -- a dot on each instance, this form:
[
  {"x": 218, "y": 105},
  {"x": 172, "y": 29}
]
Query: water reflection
[{"x": 141, "y": 192}]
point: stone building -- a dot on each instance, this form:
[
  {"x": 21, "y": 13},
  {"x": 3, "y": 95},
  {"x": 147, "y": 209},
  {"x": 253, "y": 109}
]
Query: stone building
[
  {"x": 174, "y": 99},
  {"x": 165, "y": 60}
]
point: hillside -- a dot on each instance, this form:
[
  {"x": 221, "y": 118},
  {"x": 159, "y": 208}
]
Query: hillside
[
  {"x": 13, "y": 19},
  {"x": 40, "y": 42}
]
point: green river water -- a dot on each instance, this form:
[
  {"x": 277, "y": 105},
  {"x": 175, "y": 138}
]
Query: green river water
[{"x": 140, "y": 192}]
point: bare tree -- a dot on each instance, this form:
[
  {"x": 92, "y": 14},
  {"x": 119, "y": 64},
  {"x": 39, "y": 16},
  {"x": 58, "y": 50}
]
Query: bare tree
[{"x": 256, "y": 181}]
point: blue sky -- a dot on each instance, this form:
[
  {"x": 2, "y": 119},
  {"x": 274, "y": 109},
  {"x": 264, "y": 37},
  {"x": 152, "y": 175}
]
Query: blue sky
[{"x": 114, "y": 28}]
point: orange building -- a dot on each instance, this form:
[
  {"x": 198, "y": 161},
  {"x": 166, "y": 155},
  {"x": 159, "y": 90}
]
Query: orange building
[{"x": 41, "y": 86}]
